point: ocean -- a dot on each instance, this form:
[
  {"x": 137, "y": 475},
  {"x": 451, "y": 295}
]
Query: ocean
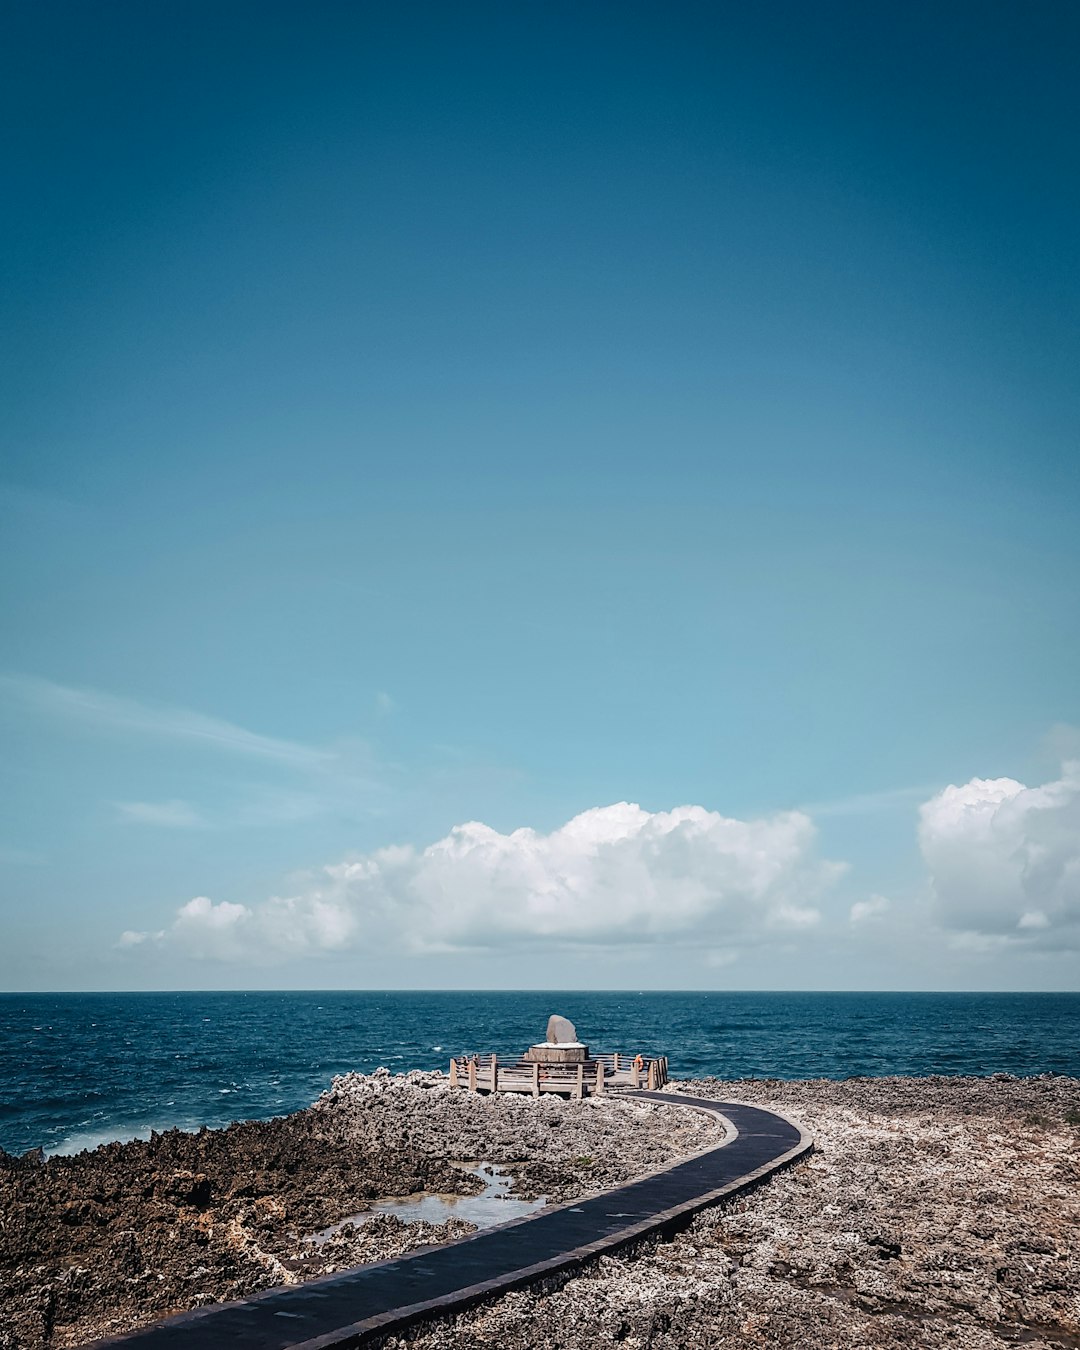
[{"x": 77, "y": 1070}]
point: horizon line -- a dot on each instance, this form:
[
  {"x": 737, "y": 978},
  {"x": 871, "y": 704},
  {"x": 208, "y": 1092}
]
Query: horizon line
[{"x": 637, "y": 993}]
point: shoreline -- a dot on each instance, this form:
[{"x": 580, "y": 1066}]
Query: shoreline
[
  {"x": 215, "y": 1058},
  {"x": 921, "y": 1192},
  {"x": 102, "y": 1242}
]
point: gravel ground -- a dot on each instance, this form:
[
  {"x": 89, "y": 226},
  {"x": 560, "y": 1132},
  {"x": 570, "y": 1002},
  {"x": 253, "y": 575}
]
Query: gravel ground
[
  {"x": 934, "y": 1212},
  {"x": 112, "y": 1239}
]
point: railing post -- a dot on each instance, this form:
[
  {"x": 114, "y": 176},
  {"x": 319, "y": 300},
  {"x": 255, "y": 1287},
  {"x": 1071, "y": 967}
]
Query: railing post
[
  {"x": 472, "y": 1075},
  {"x": 453, "y": 1072},
  {"x": 536, "y": 1079},
  {"x": 652, "y": 1075},
  {"x": 494, "y": 1073},
  {"x": 615, "y": 1062},
  {"x": 599, "y": 1077},
  {"x": 580, "y": 1081}
]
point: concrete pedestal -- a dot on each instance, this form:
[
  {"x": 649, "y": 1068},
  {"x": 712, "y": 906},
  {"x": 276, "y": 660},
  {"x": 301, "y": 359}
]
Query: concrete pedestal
[{"x": 574, "y": 1053}]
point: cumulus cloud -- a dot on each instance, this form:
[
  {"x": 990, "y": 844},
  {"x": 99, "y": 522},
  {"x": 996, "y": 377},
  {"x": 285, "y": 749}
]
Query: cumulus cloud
[
  {"x": 615, "y": 875},
  {"x": 873, "y": 908},
  {"x": 132, "y": 938},
  {"x": 1004, "y": 860}
]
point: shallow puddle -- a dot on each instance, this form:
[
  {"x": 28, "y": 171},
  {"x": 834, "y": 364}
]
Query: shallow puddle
[{"x": 489, "y": 1207}]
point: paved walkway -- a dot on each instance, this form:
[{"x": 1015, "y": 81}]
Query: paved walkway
[{"x": 357, "y": 1305}]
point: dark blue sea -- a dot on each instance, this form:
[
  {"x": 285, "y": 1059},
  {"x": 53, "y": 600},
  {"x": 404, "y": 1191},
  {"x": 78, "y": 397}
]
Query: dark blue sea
[{"x": 77, "y": 1070}]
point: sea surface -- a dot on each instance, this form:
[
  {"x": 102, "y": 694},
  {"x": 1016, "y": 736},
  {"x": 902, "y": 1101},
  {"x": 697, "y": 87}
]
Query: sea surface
[{"x": 77, "y": 1070}]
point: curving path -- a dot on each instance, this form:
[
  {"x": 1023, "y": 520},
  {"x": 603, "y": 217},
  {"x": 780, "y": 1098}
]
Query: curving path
[{"x": 369, "y": 1301}]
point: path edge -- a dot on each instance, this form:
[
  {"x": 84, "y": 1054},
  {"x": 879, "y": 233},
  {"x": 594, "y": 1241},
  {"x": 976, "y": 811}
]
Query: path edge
[{"x": 657, "y": 1225}]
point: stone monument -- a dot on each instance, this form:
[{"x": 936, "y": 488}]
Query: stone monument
[{"x": 561, "y": 1047}]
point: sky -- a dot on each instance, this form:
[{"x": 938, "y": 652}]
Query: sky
[{"x": 540, "y": 495}]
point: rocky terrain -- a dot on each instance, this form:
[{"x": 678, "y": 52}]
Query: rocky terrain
[
  {"x": 108, "y": 1240},
  {"x": 934, "y": 1212}
]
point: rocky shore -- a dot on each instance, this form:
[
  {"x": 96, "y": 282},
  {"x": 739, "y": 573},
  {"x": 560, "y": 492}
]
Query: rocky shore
[
  {"x": 934, "y": 1212},
  {"x": 112, "y": 1239}
]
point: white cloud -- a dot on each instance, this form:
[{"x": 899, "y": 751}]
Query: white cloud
[
  {"x": 131, "y": 938},
  {"x": 617, "y": 875},
  {"x": 172, "y": 815},
  {"x": 205, "y": 929},
  {"x": 1034, "y": 918},
  {"x": 159, "y": 720},
  {"x": 873, "y": 908},
  {"x": 1004, "y": 860}
]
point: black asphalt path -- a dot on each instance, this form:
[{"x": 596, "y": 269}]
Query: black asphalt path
[{"x": 358, "y": 1305}]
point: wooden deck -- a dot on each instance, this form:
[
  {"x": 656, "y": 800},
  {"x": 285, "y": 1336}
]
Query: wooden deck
[{"x": 599, "y": 1074}]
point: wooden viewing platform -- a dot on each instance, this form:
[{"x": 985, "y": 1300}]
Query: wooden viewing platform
[{"x": 593, "y": 1077}]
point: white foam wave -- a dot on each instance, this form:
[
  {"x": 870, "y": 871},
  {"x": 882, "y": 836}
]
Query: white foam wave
[{"x": 80, "y": 1140}]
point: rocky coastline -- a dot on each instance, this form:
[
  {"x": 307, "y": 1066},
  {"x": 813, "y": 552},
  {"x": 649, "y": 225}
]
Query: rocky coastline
[
  {"x": 112, "y": 1239},
  {"x": 933, "y": 1212}
]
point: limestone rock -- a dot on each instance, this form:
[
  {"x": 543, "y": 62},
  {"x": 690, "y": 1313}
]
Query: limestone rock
[
  {"x": 105, "y": 1241},
  {"x": 560, "y": 1031}
]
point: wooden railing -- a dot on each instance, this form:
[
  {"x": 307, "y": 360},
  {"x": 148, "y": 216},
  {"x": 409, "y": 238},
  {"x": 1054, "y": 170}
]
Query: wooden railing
[{"x": 484, "y": 1073}]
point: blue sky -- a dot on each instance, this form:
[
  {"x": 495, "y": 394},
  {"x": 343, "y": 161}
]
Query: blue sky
[{"x": 493, "y": 413}]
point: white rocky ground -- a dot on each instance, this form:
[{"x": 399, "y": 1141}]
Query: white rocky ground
[
  {"x": 556, "y": 1148},
  {"x": 934, "y": 1212}
]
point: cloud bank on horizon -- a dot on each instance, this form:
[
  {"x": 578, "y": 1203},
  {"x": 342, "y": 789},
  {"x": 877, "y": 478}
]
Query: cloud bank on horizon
[
  {"x": 1002, "y": 859},
  {"x": 617, "y": 875}
]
